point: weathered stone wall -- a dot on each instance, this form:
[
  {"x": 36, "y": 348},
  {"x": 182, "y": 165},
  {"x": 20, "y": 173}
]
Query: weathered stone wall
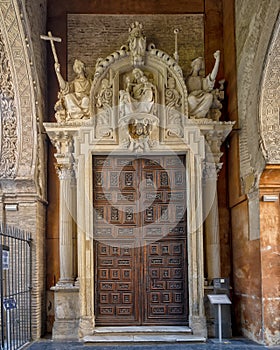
[
  {"x": 23, "y": 163},
  {"x": 37, "y": 16},
  {"x": 255, "y": 21},
  {"x": 255, "y": 231},
  {"x": 270, "y": 251}
]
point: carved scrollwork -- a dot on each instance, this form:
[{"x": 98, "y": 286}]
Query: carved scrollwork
[{"x": 8, "y": 136}]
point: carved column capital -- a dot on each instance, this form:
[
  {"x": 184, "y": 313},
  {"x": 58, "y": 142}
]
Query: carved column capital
[
  {"x": 214, "y": 133},
  {"x": 65, "y": 171},
  {"x": 62, "y": 139},
  {"x": 211, "y": 170},
  {"x": 63, "y": 142}
]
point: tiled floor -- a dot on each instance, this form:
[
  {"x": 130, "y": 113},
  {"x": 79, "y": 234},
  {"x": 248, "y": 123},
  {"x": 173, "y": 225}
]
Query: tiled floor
[{"x": 212, "y": 344}]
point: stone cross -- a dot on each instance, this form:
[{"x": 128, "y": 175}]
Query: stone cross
[{"x": 52, "y": 39}]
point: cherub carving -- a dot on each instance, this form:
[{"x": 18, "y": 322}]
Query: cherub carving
[{"x": 139, "y": 134}]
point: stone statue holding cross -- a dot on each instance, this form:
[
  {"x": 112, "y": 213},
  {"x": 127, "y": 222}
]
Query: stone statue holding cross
[{"x": 73, "y": 97}]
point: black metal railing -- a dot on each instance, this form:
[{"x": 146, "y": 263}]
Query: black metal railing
[{"x": 15, "y": 287}]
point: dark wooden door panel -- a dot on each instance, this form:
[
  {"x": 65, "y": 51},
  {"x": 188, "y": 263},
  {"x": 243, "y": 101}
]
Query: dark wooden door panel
[
  {"x": 140, "y": 240},
  {"x": 165, "y": 282},
  {"x": 117, "y": 278}
]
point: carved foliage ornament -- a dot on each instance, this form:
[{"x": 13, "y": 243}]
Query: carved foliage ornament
[
  {"x": 8, "y": 135},
  {"x": 269, "y": 102}
]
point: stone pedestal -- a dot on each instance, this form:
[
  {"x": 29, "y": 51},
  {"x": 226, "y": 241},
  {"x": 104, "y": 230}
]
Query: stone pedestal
[
  {"x": 67, "y": 313},
  {"x": 198, "y": 326}
]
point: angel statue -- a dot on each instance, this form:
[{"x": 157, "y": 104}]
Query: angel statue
[{"x": 200, "y": 89}]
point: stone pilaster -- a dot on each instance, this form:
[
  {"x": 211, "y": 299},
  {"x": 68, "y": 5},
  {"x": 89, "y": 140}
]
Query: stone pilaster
[
  {"x": 66, "y": 294},
  {"x": 214, "y": 133},
  {"x": 66, "y": 177},
  {"x": 211, "y": 227}
]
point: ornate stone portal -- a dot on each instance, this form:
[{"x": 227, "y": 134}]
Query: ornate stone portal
[{"x": 138, "y": 104}]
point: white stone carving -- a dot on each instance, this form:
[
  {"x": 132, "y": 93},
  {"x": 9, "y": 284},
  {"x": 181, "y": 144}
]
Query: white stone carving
[
  {"x": 269, "y": 102},
  {"x": 102, "y": 64},
  {"x": 104, "y": 100},
  {"x": 137, "y": 44},
  {"x": 139, "y": 103},
  {"x": 173, "y": 102},
  {"x": 139, "y": 134},
  {"x": 73, "y": 100},
  {"x": 139, "y": 94},
  {"x": 8, "y": 136},
  {"x": 25, "y": 112},
  {"x": 201, "y": 90},
  {"x": 139, "y": 128},
  {"x": 167, "y": 59}
]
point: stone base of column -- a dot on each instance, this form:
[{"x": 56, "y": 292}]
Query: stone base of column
[
  {"x": 67, "y": 312},
  {"x": 86, "y": 326},
  {"x": 198, "y": 326}
]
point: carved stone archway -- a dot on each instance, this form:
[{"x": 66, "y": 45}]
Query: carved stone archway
[{"x": 22, "y": 144}]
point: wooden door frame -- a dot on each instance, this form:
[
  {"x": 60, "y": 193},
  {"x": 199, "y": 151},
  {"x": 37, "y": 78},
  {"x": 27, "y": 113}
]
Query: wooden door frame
[{"x": 193, "y": 149}]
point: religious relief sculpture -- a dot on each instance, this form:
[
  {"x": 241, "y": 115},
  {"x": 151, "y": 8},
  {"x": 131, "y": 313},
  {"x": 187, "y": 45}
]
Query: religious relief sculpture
[
  {"x": 137, "y": 44},
  {"x": 74, "y": 95},
  {"x": 104, "y": 109},
  {"x": 201, "y": 90},
  {"x": 139, "y": 94},
  {"x": 139, "y": 135},
  {"x": 173, "y": 102}
]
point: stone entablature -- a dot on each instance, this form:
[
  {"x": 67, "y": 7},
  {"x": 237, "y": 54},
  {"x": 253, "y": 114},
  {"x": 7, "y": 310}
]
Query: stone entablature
[{"x": 138, "y": 104}]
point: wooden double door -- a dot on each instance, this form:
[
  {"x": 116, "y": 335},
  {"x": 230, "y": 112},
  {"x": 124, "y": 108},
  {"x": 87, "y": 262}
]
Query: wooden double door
[{"x": 140, "y": 240}]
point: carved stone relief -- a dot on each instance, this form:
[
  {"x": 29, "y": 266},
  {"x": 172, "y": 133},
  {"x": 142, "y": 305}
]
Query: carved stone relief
[
  {"x": 8, "y": 137},
  {"x": 20, "y": 81},
  {"x": 104, "y": 108},
  {"x": 253, "y": 36},
  {"x": 269, "y": 102},
  {"x": 173, "y": 101},
  {"x": 138, "y": 103}
]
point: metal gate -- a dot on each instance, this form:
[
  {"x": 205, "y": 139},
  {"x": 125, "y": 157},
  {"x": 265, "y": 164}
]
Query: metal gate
[{"x": 15, "y": 287}]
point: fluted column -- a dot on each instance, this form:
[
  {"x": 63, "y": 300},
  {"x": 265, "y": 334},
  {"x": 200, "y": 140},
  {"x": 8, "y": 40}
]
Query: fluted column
[
  {"x": 214, "y": 137},
  {"x": 66, "y": 292},
  {"x": 211, "y": 223},
  {"x": 66, "y": 255}
]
